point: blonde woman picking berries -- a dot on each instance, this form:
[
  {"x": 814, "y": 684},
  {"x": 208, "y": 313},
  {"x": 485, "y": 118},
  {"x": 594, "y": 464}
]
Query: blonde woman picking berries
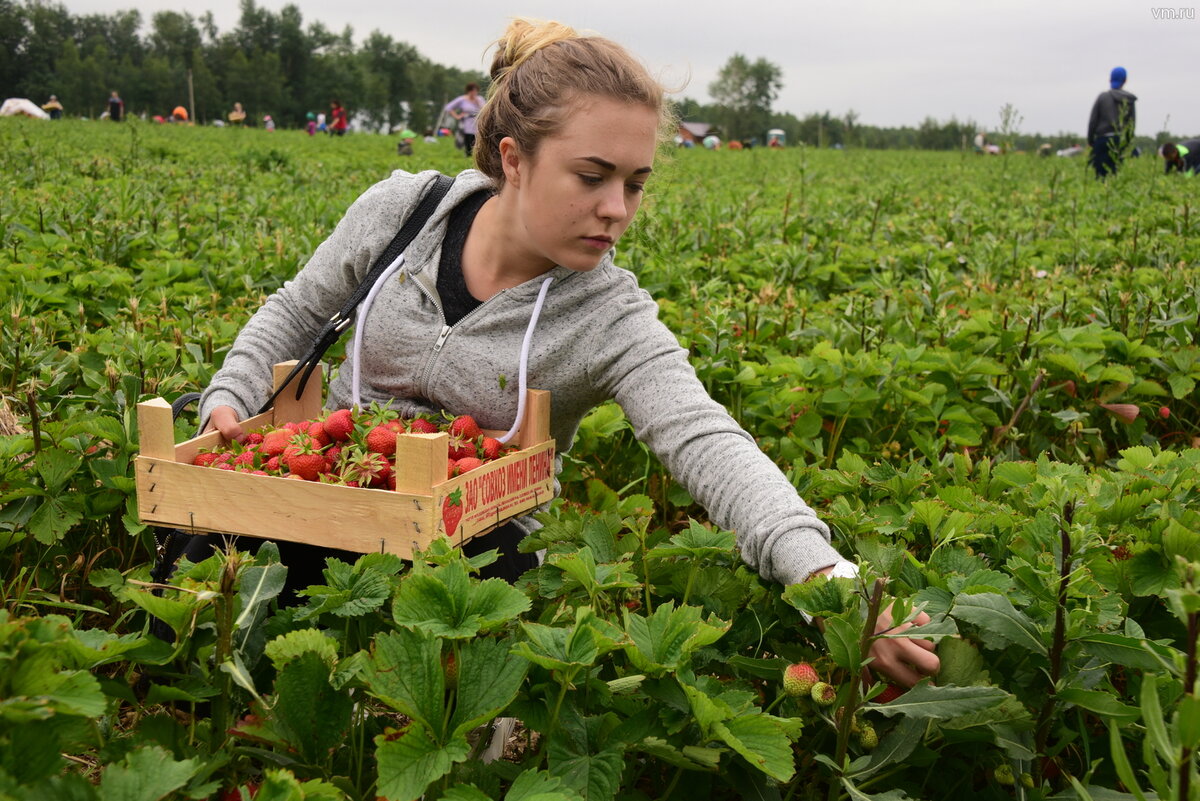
[{"x": 566, "y": 144}]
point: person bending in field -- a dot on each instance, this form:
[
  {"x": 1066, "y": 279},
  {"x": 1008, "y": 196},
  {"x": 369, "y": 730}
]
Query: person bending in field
[
  {"x": 524, "y": 242},
  {"x": 1183, "y": 157},
  {"x": 1111, "y": 125}
]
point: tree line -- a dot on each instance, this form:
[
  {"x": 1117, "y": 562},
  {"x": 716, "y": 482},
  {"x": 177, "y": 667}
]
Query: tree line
[{"x": 271, "y": 63}]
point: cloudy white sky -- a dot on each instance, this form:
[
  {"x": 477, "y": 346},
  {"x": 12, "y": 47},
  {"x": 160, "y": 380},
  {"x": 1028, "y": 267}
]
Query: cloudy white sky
[{"x": 893, "y": 62}]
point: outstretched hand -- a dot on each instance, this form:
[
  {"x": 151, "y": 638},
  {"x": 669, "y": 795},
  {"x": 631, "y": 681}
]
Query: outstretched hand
[{"x": 902, "y": 660}]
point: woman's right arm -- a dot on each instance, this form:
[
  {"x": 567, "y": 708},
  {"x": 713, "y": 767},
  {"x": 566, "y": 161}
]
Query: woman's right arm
[{"x": 285, "y": 325}]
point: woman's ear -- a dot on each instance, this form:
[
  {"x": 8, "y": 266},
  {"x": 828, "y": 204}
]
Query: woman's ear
[{"x": 511, "y": 161}]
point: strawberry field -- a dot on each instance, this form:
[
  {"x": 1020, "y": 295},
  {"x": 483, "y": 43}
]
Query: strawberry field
[{"x": 981, "y": 372}]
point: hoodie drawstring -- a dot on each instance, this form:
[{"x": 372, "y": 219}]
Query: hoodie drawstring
[{"x": 359, "y": 325}]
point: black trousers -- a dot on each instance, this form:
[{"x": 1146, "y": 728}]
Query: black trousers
[
  {"x": 1106, "y": 154},
  {"x": 305, "y": 562}
]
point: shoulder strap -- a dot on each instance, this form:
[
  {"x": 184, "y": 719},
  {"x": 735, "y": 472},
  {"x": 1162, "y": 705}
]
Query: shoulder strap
[{"x": 341, "y": 321}]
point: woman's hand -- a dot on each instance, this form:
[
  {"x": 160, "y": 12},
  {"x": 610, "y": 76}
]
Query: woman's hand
[
  {"x": 225, "y": 420},
  {"x": 903, "y": 661}
]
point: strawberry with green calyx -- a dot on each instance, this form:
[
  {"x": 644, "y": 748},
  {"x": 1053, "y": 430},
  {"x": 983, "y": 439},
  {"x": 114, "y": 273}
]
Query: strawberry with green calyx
[
  {"x": 305, "y": 460},
  {"x": 798, "y": 679},
  {"x": 339, "y": 425},
  {"x": 316, "y": 430},
  {"x": 275, "y": 442},
  {"x": 464, "y": 434},
  {"x": 823, "y": 694},
  {"x": 206, "y": 458},
  {"x": 452, "y": 511},
  {"x": 381, "y": 439},
  {"x": 365, "y": 467},
  {"x": 254, "y": 438},
  {"x": 489, "y": 448},
  {"x": 421, "y": 425},
  {"x": 1003, "y": 774}
]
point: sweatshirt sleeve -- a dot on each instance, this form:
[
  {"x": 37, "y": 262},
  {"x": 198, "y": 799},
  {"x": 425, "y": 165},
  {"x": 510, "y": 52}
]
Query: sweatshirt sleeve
[
  {"x": 288, "y": 322},
  {"x": 1093, "y": 121},
  {"x": 643, "y": 367}
]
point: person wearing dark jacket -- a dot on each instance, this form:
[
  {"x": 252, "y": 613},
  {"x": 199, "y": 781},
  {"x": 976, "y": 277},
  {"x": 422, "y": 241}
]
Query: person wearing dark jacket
[
  {"x": 1111, "y": 126},
  {"x": 1183, "y": 157}
]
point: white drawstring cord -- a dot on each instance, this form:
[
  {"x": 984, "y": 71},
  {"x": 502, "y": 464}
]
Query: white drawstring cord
[
  {"x": 533, "y": 318},
  {"x": 359, "y": 325}
]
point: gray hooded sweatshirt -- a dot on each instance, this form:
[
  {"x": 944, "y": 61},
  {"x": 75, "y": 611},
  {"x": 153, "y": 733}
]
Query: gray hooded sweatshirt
[{"x": 598, "y": 338}]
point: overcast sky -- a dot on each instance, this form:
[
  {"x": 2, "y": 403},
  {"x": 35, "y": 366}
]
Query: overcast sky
[{"x": 893, "y": 61}]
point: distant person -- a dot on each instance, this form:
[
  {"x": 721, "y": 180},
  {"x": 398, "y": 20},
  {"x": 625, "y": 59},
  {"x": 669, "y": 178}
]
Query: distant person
[
  {"x": 116, "y": 107},
  {"x": 774, "y": 142},
  {"x": 1068, "y": 152},
  {"x": 311, "y": 124},
  {"x": 1183, "y": 158},
  {"x": 53, "y": 108},
  {"x": 465, "y": 108},
  {"x": 321, "y": 127},
  {"x": 430, "y": 137},
  {"x": 712, "y": 142},
  {"x": 337, "y": 119},
  {"x": 1112, "y": 124},
  {"x": 405, "y": 148},
  {"x": 237, "y": 117},
  {"x": 268, "y": 123},
  {"x": 179, "y": 114}
]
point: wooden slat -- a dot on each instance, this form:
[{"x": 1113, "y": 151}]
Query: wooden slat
[
  {"x": 185, "y": 452},
  {"x": 535, "y": 428},
  {"x": 349, "y": 518},
  {"x": 421, "y": 461},
  {"x": 156, "y": 429},
  {"x": 287, "y": 408}
]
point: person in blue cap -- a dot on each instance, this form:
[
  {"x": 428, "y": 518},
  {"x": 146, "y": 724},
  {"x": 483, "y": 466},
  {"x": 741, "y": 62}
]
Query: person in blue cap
[{"x": 1111, "y": 126}]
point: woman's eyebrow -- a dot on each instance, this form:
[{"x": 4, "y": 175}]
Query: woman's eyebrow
[{"x": 608, "y": 165}]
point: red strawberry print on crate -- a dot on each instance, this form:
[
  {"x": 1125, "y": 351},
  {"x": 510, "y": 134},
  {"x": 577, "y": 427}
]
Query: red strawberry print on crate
[{"x": 452, "y": 511}]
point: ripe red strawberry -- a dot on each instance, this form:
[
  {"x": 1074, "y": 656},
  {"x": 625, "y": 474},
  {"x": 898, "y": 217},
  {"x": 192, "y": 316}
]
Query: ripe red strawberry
[
  {"x": 316, "y": 430},
  {"x": 206, "y": 458},
  {"x": 798, "y": 679},
  {"x": 889, "y": 694},
  {"x": 271, "y": 465},
  {"x": 823, "y": 694},
  {"x": 275, "y": 442},
  {"x": 246, "y": 457},
  {"x": 465, "y": 426},
  {"x": 381, "y": 439},
  {"x": 490, "y": 448},
  {"x": 468, "y": 463},
  {"x": 452, "y": 511},
  {"x": 254, "y": 438},
  {"x": 293, "y": 427},
  {"x": 305, "y": 461},
  {"x": 339, "y": 425},
  {"x": 419, "y": 425}
]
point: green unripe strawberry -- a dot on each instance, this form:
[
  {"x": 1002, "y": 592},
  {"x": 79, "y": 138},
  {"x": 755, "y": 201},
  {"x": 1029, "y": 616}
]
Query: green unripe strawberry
[
  {"x": 868, "y": 738},
  {"x": 823, "y": 694},
  {"x": 1003, "y": 774},
  {"x": 798, "y": 679},
  {"x": 1027, "y": 781}
]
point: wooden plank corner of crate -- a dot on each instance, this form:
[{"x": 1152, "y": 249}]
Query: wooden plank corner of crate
[
  {"x": 308, "y": 406},
  {"x": 156, "y": 429}
]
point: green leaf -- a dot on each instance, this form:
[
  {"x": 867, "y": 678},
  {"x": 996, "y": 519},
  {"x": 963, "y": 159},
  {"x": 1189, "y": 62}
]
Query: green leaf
[
  {"x": 841, "y": 637},
  {"x": 858, "y": 795},
  {"x": 897, "y": 744},
  {"x": 698, "y": 542},
  {"x": 489, "y": 676},
  {"x": 533, "y": 785},
  {"x": 584, "y": 763},
  {"x": 1134, "y": 652},
  {"x": 146, "y": 774},
  {"x": 413, "y": 761},
  {"x": 962, "y": 664},
  {"x": 464, "y": 792},
  {"x": 1188, "y": 722},
  {"x": 176, "y": 614},
  {"x": 405, "y": 672},
  {"x": 53, "y": 519},
  {"x": 762, "y": 741},
  {"x": 999, "y": 623},
  {"x": 66, "y": 692},
  {"x": 1100, "y": 703},
  {"x": 1016, "y": 474},
  {"x": 927, "y": 701},
  {"x": 314, "y": 716},
  {"x": 286, "y": 647},
  {"x": 665, "y": 640},
  {"x": 236, "y": 668},
  {"x": 822, "y": 596},
  {"x": 56, "y": 467},
  {"x": 1152, "y": 719},
  {"x": 257, "y": 585},
  {"x": 1116, "y": 748},
  {"x": 445, "y": 602}
]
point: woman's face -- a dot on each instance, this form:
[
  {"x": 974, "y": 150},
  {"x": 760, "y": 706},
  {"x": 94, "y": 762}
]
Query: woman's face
[{"x": 576, "y": 196}]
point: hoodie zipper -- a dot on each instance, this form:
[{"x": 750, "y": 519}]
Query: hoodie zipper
[{"x": 444, "y": 334}]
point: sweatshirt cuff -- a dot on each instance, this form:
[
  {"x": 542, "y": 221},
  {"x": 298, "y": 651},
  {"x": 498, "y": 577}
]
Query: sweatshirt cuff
[{"x": 220, "y": 397}]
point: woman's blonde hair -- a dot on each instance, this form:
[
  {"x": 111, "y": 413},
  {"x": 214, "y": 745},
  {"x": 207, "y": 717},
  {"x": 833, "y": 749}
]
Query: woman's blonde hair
[{"x": 538, "y": 70}]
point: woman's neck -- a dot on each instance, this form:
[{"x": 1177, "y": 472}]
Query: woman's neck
[{"x": 493, "y": 258}]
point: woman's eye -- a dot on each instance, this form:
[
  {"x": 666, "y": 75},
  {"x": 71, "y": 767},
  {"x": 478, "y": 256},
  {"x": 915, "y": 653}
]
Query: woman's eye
[
  {"x": 636, "y": 188},
  {"x": 591, "y": 180}
]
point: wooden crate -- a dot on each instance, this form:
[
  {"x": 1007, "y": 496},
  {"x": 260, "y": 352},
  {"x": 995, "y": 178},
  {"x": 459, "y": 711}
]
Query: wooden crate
[{"x": 173, "y": 492}]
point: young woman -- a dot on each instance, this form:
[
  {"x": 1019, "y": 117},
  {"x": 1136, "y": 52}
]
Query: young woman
[
  {"x": 566, "y": 144},
  {"x": 465, "y": 108}
]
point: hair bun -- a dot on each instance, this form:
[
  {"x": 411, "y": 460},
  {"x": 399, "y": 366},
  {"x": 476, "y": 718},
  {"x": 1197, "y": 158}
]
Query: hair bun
[{"x": 522, "y": 39}]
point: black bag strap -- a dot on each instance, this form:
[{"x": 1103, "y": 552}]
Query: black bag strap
[{"x": 341, "y": 321}]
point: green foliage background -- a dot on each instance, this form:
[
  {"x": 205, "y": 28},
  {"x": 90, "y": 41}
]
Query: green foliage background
[{"x": 982, "y": 373}]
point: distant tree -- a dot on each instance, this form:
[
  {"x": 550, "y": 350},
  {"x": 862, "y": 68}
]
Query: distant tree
[{"x": 745, "y": 91}]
